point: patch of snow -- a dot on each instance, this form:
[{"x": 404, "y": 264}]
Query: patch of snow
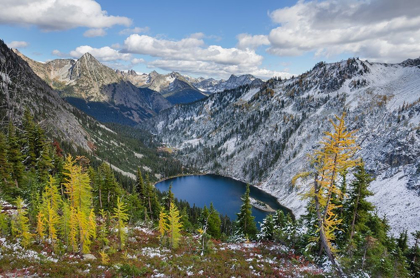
[
  {"x": 248, "y": 96},
  {"x": 400, "y": 205},
  {"x": 106, "y": 128},
  {"x": 138, "y": 155}
]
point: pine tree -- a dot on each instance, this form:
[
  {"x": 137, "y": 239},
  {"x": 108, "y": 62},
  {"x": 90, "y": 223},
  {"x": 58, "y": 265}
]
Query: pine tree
[
  {"x": 245, "y": 222},
  {"x": 65, "y": 223},
  {"x": 267, "y": 228},
  {"x": 175, "y": 226},
  {"x": 214, "y": 223},
  {"x": 5, "y": 176},
  {"x": 121, "y": 216},
  {"x": 140, "y": 186},
  {"x": 358, "y": 206},
  {"x": 20, "y": 224},
  {"x": 14, "y": 156},
  {"x": 103, "y": 229},
  {"x": 169, "y": 197}
]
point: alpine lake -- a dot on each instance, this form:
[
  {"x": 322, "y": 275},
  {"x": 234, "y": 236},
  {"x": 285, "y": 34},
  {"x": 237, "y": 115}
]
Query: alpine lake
[{"x": 225, "y": 194}]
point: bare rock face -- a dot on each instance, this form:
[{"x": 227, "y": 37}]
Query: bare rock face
[
  {"x": 22, "y": 89},
  {"x": 262, "y": 135},
  {"x": 99, "y": 90}
]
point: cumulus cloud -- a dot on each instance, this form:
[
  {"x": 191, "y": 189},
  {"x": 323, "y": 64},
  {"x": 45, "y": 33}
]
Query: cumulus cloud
[
  {"x": 18, "y": 44},
  {"x": 135, "y": 30},
  {"x": 191, "y": 55},
  {"x": 99, "y": 32},
  {"x": 385, "y": 30},
  {"x": 58, "y": 14},
  {"x": 103, "y": 54},
  {"x": 189, "y": 49},
  {"x": 253, "y": 42}
]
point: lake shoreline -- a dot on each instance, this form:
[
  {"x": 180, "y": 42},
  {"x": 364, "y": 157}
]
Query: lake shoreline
[{"x": 234, "y": 178}]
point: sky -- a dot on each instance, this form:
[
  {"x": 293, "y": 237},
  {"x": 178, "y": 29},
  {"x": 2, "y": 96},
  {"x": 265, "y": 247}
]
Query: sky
[{"x": 215, "y": 38}]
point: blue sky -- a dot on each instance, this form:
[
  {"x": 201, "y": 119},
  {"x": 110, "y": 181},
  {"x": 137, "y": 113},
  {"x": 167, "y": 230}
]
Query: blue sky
[{"x": 213, "y": 38}]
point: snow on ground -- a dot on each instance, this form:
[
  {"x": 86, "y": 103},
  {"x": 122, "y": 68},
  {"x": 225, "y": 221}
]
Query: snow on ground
[
  {"x": 399, "y": 204},
  {"x": 107, "y": 129},
  {"x": 138, "y": 155},
  {"x": 115, "y": 168},
  {"x": 190, "y": 143},
  {"x": 147, "y": 169},
  {"x": 248, "y": 96},
  {"x": 160, "y": 125},
  {"x": 229, "y": 145}
]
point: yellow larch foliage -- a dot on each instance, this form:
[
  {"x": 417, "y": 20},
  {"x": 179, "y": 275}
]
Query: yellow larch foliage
[
  {"x": 20, "y": 224},
  {"x": 175, "y": 226},
  {"x": 163, "y": 223},
  {"x": 334, "y": 157},
  {"x": 121, "y": 216}
]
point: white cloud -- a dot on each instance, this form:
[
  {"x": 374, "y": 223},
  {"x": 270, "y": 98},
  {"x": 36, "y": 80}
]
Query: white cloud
[
  {"x": 135, "y": 30},
  {"x": 98, "y": 32},
  {"x": 103, "y": 54},
  {"x": 191, "y": 55},
  {"x": 136, "y": 61},
  {"x": 211, "y": 69},
  {"x": 52, "y": 15},
  {"x": 18, "y": 44},
  {"x": 253, "y": 42},
  {"x": 384, "y": 30},
  {"x": 189, "y": 49}
]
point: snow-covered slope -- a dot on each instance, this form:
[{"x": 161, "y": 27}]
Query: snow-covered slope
[
  {"x": 262, "y": 136},
  {"x": 213, "y": 86}
]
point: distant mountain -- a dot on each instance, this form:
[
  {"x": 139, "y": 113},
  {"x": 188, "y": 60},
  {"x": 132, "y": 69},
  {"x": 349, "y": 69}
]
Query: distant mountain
[
  {"x": 98, "y": 90},
  {"x": 178, "y": 88},
  {"x": 175, "y": 87},
  {"x": 262, "y": 135},
  {"x": 213, "y": 86}
]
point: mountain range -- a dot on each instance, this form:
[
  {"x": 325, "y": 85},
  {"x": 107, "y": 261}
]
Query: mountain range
[
  {"x": 121, "y": 147},
  {"x": 254, "y": 131},
  {"x": 263, "y": 135}
]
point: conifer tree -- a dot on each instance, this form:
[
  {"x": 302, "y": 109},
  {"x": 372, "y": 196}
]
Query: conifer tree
[
  {"x": 169, "y": 197},
  {"x": 245, "y": 222},
  {"x": 163, "y": 224},
  {"x": 140, "y": 186},
  {"x": 40, "y": 225},
  {"x": 78, "y": 189},
  {"x": 103, "y": 228},
  {"x": 267, "y": 228},
  {"x": 214, "y": 223},
  {"x": 175, "y": 226},
  {"x": 334, "y": 157},
  {"x": 121, "y": 216},
  {"x": 65, "y": 223},
  {"x": 20, "y": 224},
  {"x": 358, "y": 206},
  {"x": 5, "y": 177},
  {"x": 14, "y": 156}
]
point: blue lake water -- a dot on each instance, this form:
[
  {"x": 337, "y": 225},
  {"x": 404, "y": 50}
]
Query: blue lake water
[{"x": 225, "y": 193}]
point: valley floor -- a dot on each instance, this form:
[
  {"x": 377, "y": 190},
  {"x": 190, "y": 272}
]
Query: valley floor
[{"x": 144, "y": 257}]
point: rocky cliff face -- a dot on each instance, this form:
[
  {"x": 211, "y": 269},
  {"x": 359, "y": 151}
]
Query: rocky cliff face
[
  {"x": 262, "y": 135},
  {"x": 21, "y": 89},
  {"x": 98, "y": 90}
]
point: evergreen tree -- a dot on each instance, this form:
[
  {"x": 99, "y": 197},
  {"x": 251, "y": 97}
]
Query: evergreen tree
[
  {"x": 140, "y": 186},
  {"x": 358, "y": 206},
  {"x": 267, "y": 228},
  {"x": 5, "y": 177},
  {"x": 4, "y": 223},
  {"x": 214, "y": 223},
  {"x": 245, "y": 222},
  {"x": 14, "y": 156}
]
